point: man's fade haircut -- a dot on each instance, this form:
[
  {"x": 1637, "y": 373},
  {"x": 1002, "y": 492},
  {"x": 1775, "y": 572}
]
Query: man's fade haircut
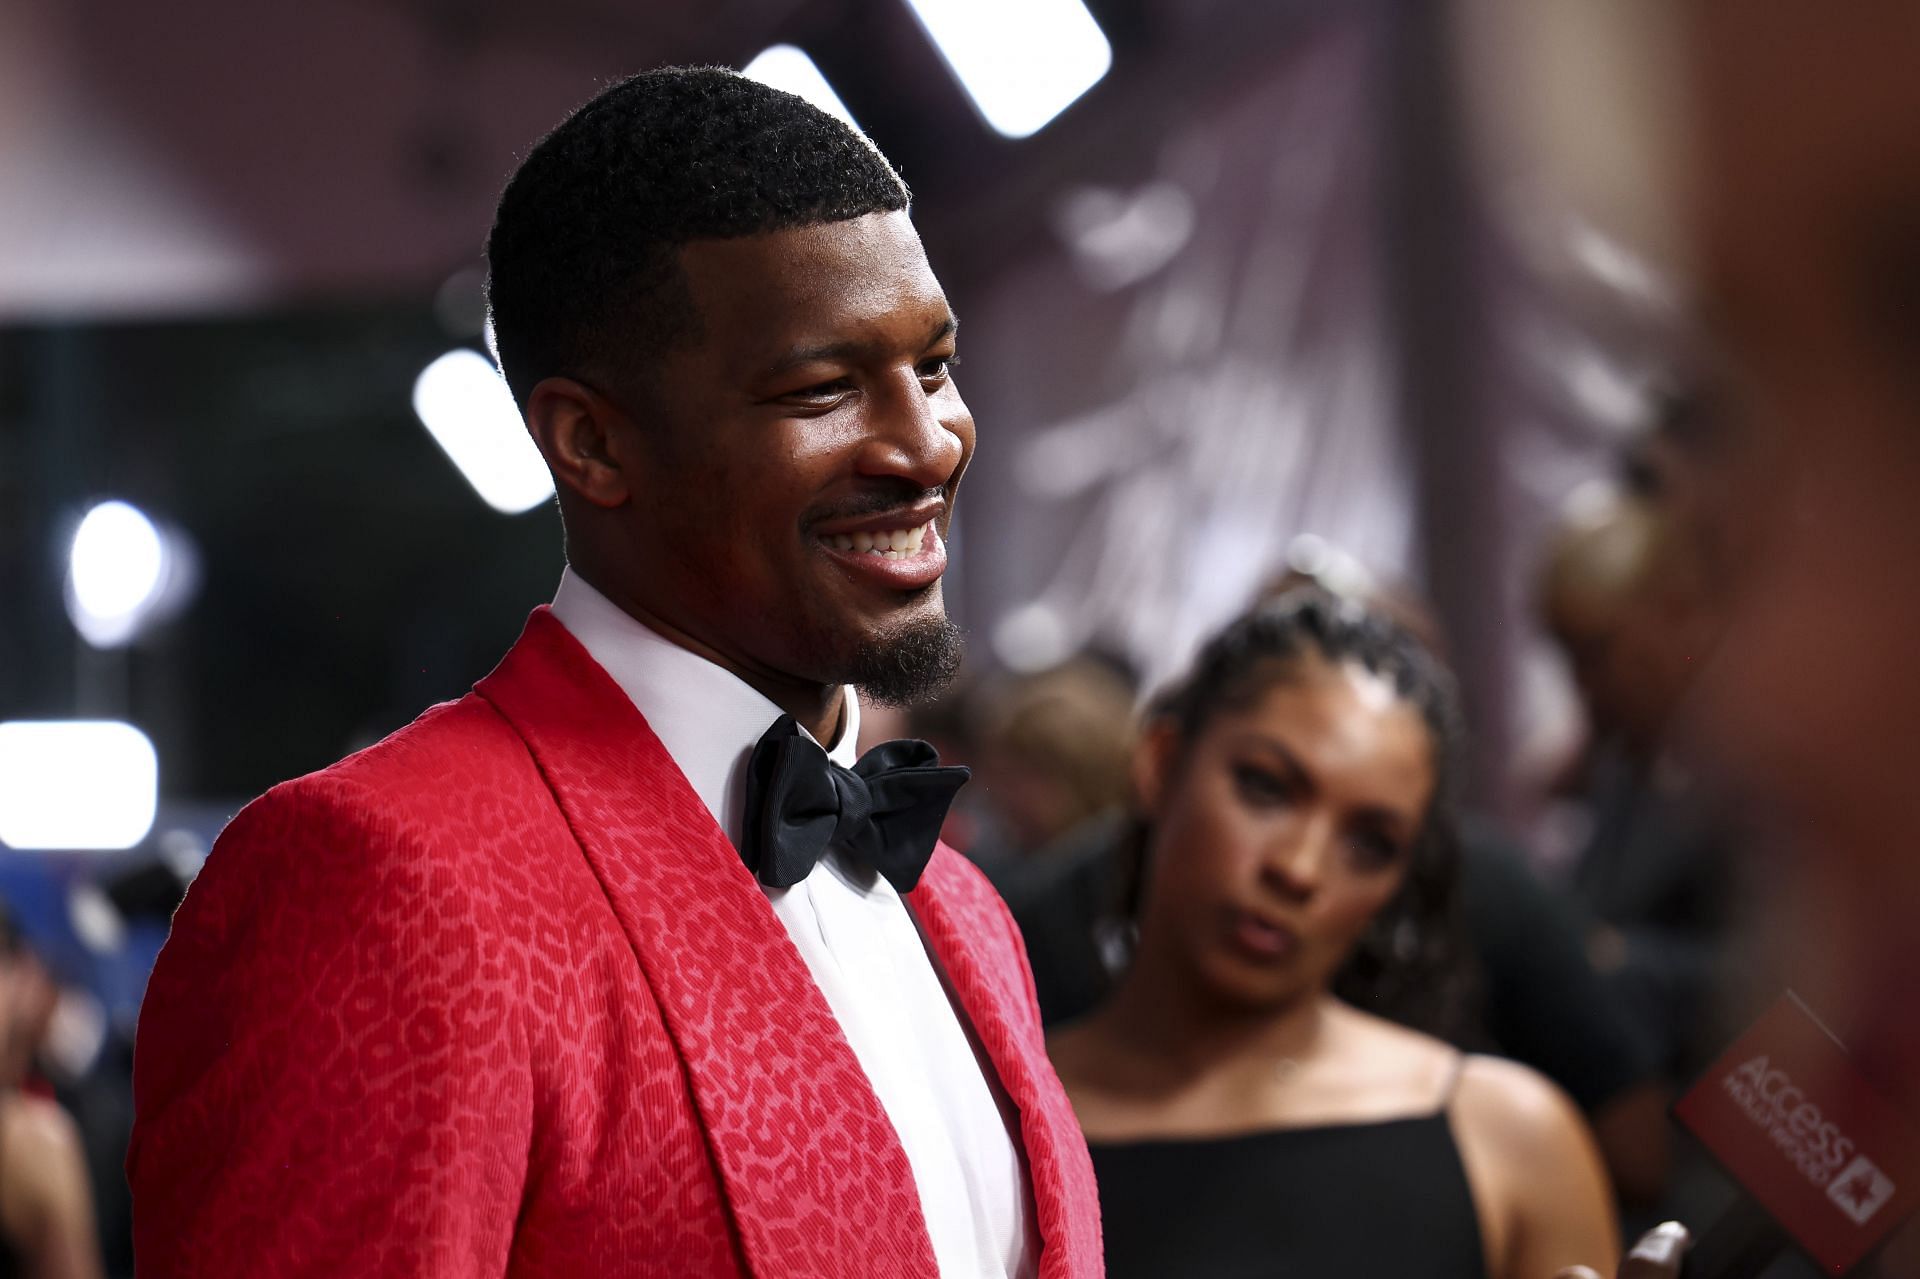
[{"x": 583, "y": 260}]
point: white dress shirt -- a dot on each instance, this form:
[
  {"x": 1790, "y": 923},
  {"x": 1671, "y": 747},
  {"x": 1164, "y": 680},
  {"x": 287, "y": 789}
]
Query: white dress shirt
[{"x": 858, "y": 940}]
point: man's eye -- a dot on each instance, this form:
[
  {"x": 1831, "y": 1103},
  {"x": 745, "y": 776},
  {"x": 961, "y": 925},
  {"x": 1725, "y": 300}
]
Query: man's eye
[
  {"x": 939, "y": 368},
  {"x": 823, "y": 392}
]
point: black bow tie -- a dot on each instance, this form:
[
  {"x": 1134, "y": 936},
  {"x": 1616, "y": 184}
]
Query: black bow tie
[{"x": 885, "y": 811}]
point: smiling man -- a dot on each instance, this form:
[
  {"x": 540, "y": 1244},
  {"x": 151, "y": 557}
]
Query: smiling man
[{"x": 622, "y": 965}]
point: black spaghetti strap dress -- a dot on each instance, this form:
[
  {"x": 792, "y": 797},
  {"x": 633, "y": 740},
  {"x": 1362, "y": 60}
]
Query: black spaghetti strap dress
[{"x": 1380, "y": 1200}]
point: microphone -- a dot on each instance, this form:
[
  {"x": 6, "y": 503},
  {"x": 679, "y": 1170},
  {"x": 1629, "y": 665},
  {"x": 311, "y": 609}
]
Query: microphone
[{"x": 1823, "y": 1161}]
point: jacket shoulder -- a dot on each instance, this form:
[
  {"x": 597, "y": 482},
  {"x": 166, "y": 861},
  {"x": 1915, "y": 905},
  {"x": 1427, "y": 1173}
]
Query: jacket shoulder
[
  {"x": 454, "y": 781},
  {"x": 457, "y": 746},
  {"x": 332, "y": 1062},
  {"x": 418, "y": 820}
]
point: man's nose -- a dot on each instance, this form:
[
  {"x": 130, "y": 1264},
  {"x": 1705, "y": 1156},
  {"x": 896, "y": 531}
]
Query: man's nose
[{"x": 907, "y": 436}]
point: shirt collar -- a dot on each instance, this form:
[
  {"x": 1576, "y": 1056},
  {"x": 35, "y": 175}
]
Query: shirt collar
[{"x": 707, "y": 717}]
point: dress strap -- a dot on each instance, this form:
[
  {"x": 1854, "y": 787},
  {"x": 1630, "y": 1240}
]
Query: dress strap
[{"x": 1455, "y": 1069}]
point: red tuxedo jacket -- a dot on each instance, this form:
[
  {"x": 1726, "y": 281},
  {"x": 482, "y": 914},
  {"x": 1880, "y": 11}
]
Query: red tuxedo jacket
[{"x": 497, "y": 997}]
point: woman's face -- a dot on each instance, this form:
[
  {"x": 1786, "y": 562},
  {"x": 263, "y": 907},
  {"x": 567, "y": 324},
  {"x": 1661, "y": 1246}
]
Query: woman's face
[{"x": 1281, "y": 831}]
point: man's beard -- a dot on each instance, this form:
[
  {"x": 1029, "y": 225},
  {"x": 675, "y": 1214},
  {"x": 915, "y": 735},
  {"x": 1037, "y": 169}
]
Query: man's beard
[{"x": 910, "y": 665}]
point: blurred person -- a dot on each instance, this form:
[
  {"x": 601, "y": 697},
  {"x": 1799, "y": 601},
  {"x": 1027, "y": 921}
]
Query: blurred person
[
  {"x": 1622, "y": 595},
  {"x": 622, "y": 965},
  {"x": 1626, "y": 600},
  {"x": 1807, "y": 216},
  {"x": 1050, "y": 752},
  {"x": 1676, "y": 464},
  {"x": 1543, "y": 1003},
  {"x": 1805, "y": 219},
  {"x": 1538, "y": 998},
  {"x": 1250, "y": 1106},
  {"x": 46, "y": 1204},
  {"x": 1595, "y": 557}
]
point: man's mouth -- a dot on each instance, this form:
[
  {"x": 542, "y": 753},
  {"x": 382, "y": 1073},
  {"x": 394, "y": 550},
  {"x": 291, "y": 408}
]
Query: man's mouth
[
  {"x": 900, "y": 559},
  {"x": 892, "y": 544}
]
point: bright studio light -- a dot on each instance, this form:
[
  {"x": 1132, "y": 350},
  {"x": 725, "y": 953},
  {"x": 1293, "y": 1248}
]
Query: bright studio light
[
  {"x": 786, "y": 67},
  {"x": 466, "y": 406},
  {"x": 76, "y": 784},
  {"x": 116, "y": 570},
  {"x": 1022, "y": 62}
]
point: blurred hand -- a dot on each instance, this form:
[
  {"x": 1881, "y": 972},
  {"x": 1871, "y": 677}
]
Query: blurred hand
[{"x": 1656, "y": 1256}]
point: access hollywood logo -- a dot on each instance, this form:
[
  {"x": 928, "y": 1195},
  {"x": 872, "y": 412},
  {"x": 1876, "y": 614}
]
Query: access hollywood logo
[
  {"x": 1796, "y": 1125},
  {"x": 1861, "y": 1190}
]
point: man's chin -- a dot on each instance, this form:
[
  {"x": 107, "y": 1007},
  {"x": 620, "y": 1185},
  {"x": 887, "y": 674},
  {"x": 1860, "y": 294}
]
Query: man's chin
[{"x": 908, "y": 661}]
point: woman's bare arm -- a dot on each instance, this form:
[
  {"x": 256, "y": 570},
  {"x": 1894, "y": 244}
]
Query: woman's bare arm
[
  {"x": 1536, "y": 1173},
  {"x": 47, "y": 1171}
]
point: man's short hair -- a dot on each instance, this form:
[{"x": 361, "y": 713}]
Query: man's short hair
[{"x": 583, "y": 261}]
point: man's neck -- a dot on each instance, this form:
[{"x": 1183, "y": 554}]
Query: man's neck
[{"x": 818, "y": 708}]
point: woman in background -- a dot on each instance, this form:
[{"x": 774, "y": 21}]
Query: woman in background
[
  {"x": 46, "y": 1204},
  {"x": 1250, "y": 1109}
]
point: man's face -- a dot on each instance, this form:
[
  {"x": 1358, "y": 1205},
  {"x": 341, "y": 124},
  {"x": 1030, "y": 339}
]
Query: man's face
[{"x": 809, "y": 424}]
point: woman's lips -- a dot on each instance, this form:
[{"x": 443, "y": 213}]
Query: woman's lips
[
  {"x": 900, "y": 559},
  {"x": 1263, "y": 938}
]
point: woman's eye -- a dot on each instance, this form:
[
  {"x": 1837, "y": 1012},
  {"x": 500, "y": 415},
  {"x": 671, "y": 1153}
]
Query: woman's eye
[
  {"x": 1373, "y": 850},
  {"x": 1260, "y": 786}
]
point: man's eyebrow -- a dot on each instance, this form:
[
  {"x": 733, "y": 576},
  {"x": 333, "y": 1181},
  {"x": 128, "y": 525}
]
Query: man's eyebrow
[{"x": 833, "y": 352}]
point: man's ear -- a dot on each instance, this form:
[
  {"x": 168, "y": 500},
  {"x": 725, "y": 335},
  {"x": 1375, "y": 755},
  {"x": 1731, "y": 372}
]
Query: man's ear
[
  {"x": 1154, "y": 758},
  {"x": 578, "y": 432}
]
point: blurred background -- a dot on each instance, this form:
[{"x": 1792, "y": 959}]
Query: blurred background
[
  {"x": 1376, "y": 294},
  {"x": 1248, "y": 287}
]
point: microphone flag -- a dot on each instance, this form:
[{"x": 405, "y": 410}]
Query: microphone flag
[{"x": 1790, "y": 1117}]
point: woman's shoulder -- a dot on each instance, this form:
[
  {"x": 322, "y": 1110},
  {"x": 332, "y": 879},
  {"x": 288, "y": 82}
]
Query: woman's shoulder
[
  {"x": 1352, "y": 1022},
  {"x": 1491, "y": 1100},
  {"x": 1380, "y": 1052},
  {"x": 1536, "y": 1173},
  {"x": 36, "y": 1124},
  {"x": 42, "y": 1167},
  {"x": 1515, "y": 1108},
  {"x": 39, "y": 1144}
]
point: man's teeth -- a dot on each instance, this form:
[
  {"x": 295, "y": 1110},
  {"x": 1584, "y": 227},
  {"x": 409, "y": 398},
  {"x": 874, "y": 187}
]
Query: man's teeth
[{"x": 893, "y": 544}]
